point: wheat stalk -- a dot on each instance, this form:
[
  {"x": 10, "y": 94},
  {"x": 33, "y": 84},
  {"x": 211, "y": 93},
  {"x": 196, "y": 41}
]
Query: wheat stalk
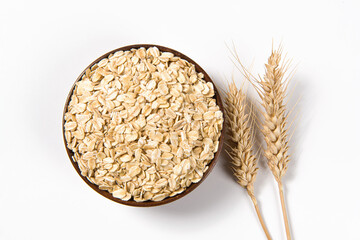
[
  {"x": 240, "y": 150},
  {"x": 272, "y": 91}
]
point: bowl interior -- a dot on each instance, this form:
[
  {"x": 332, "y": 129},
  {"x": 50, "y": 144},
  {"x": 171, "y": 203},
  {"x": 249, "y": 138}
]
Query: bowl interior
[{"x": 168, "y": 199}]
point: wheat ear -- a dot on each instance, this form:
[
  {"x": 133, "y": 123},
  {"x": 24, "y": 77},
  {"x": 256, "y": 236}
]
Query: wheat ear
[
  {"x": 240, "y": 149},
  {"x": 272, "y": 91}
]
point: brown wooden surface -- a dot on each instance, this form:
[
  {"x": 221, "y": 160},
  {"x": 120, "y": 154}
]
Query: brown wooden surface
[{"x": 168, "y": 199}]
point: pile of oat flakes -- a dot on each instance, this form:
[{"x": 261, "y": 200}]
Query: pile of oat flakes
[{"x": 143, "y": 124}]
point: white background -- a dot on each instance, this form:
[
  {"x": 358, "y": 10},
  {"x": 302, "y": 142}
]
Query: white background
[{"x": 44, "y": 46}]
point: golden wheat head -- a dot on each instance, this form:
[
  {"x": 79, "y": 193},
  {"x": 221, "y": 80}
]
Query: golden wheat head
[
  {"x": 272, "y": 93},
  {"x": 240, "y": 150}
]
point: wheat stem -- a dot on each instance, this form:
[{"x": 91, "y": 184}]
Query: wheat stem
[
  {"x": 282, "y": 199},
  {"x": 253, "y": 198}
]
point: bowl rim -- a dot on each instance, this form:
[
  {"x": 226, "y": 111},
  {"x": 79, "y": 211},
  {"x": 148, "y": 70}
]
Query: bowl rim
[{"x": 148, "y": 203}]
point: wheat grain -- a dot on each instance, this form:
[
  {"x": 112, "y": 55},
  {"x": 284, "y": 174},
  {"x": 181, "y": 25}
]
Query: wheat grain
[{"x": 243, "y": 160}]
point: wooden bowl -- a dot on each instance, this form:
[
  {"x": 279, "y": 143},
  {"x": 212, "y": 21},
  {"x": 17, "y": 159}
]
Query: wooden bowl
[{"x": 168, "y": 199}]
